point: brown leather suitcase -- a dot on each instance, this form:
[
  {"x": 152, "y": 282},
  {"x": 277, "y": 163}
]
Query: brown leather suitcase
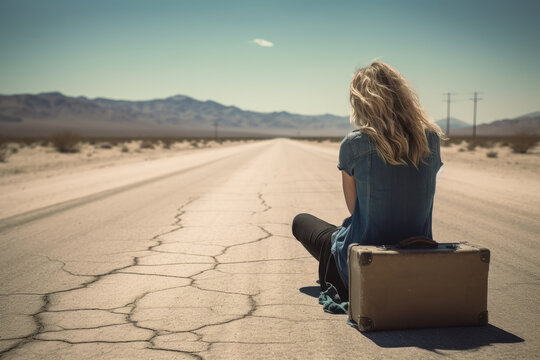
[{"x": 418, "y": 283}]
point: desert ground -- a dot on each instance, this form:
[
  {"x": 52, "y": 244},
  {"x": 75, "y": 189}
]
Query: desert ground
[{"x": 188, "y": 253}]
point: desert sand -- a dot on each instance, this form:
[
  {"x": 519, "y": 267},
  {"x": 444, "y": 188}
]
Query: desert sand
[
  {"x": 189, "y": 254},
  {"x": 26, "y": 162}
]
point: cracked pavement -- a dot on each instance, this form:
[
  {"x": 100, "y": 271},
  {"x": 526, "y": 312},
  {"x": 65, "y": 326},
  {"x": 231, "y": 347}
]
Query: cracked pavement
[{"x": 201, "y": 264}]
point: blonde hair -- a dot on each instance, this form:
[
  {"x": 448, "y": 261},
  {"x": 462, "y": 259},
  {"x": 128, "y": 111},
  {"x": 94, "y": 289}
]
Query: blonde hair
[{"x": 387, "y": 109}]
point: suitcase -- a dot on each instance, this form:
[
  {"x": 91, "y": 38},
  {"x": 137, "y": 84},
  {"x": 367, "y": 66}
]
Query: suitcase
[{"x": 417, "y": 283}]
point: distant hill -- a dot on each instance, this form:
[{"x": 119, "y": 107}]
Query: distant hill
[
  {"x": 46, "y": 113},
  {"x": 179, "y": 115},
  {"x": 454, "y": 124},
  {"x": 531, "y": 115},
  {"x": 525, "y": 123}
]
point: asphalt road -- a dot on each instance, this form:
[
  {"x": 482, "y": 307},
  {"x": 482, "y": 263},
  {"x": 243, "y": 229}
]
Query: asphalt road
[{"x": 193, "y": 257}]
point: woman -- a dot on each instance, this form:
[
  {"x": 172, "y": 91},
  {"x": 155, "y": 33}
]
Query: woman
[{"x": 388, "y": 165}]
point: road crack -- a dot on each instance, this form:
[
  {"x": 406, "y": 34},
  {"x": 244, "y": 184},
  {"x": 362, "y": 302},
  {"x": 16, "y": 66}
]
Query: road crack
[{"x": 128, "y": 310}]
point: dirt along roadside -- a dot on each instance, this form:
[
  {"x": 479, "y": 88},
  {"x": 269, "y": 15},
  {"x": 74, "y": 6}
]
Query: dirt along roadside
[{"x": 37, "y": 177}]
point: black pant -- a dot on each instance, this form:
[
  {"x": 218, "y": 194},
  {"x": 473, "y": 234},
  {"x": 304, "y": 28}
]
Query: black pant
[{"x": 314, "y": 234}]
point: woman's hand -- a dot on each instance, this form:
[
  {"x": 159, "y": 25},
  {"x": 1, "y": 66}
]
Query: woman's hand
[{"x": 349, "y": 190}]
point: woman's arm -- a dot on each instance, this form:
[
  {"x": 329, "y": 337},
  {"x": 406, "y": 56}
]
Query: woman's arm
[{"x": 349, "y": 190}]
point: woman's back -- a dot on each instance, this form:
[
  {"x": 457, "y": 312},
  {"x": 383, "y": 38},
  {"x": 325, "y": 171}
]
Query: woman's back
[{"x": 393, "y": 202}]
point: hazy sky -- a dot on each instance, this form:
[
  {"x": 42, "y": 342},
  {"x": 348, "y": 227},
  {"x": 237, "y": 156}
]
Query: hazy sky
[{"x": 296, "y": 56}]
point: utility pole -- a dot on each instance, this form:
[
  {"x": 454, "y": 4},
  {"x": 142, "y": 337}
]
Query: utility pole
[
  {"x": 475, "y": 99},
  {"x": 448, "y": 101},
  {"x": 216, "y": 124}
]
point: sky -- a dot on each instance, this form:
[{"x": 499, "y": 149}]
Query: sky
[{"x": 296, "y": 56}]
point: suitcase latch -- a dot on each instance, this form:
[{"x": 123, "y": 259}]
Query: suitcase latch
[{"x": 365, "y": 258}]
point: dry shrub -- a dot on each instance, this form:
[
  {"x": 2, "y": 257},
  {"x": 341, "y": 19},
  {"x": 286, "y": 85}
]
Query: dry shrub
[
  {"x": 454, "y": 140},
  {"x": 106, "y": 146},
  {"x": 521, "y": 143},
  {"x": 4, "y": 153},
  {"x": 486, "y": 144},
  {"x": 445, "y": 143},
  {"x": 472, "y": 145},
  {"x": 125, "y": 149},
  {"x": 147, "y": 144},
  {"x": 167, "y": 143},
  {"x": 66, "y": 142},
  {"x": 194, "y": 144},
  {"x": 461, "y": 149},
  {"x": 492, "y": 154}
]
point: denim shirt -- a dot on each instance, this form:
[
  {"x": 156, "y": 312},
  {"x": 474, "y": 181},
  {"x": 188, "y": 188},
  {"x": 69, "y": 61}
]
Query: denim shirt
[{"x": 393, "y": 202}]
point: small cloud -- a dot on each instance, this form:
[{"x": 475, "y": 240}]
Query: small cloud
[{"x": 263, "y": 43}]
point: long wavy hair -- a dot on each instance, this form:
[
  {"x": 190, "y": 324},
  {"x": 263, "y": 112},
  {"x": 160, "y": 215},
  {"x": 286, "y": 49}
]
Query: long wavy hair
[{"x": 385, "y": 107}]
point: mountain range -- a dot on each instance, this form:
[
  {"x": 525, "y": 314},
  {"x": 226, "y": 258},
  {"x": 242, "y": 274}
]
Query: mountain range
[
  {"x": 528, "y": 123},
  {"x": 454, "y": 124},
  {"x": 45, "y": 113}
]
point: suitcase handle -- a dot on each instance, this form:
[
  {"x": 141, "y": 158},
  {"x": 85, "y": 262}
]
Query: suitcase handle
[{"x": 416, "y": 242}]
